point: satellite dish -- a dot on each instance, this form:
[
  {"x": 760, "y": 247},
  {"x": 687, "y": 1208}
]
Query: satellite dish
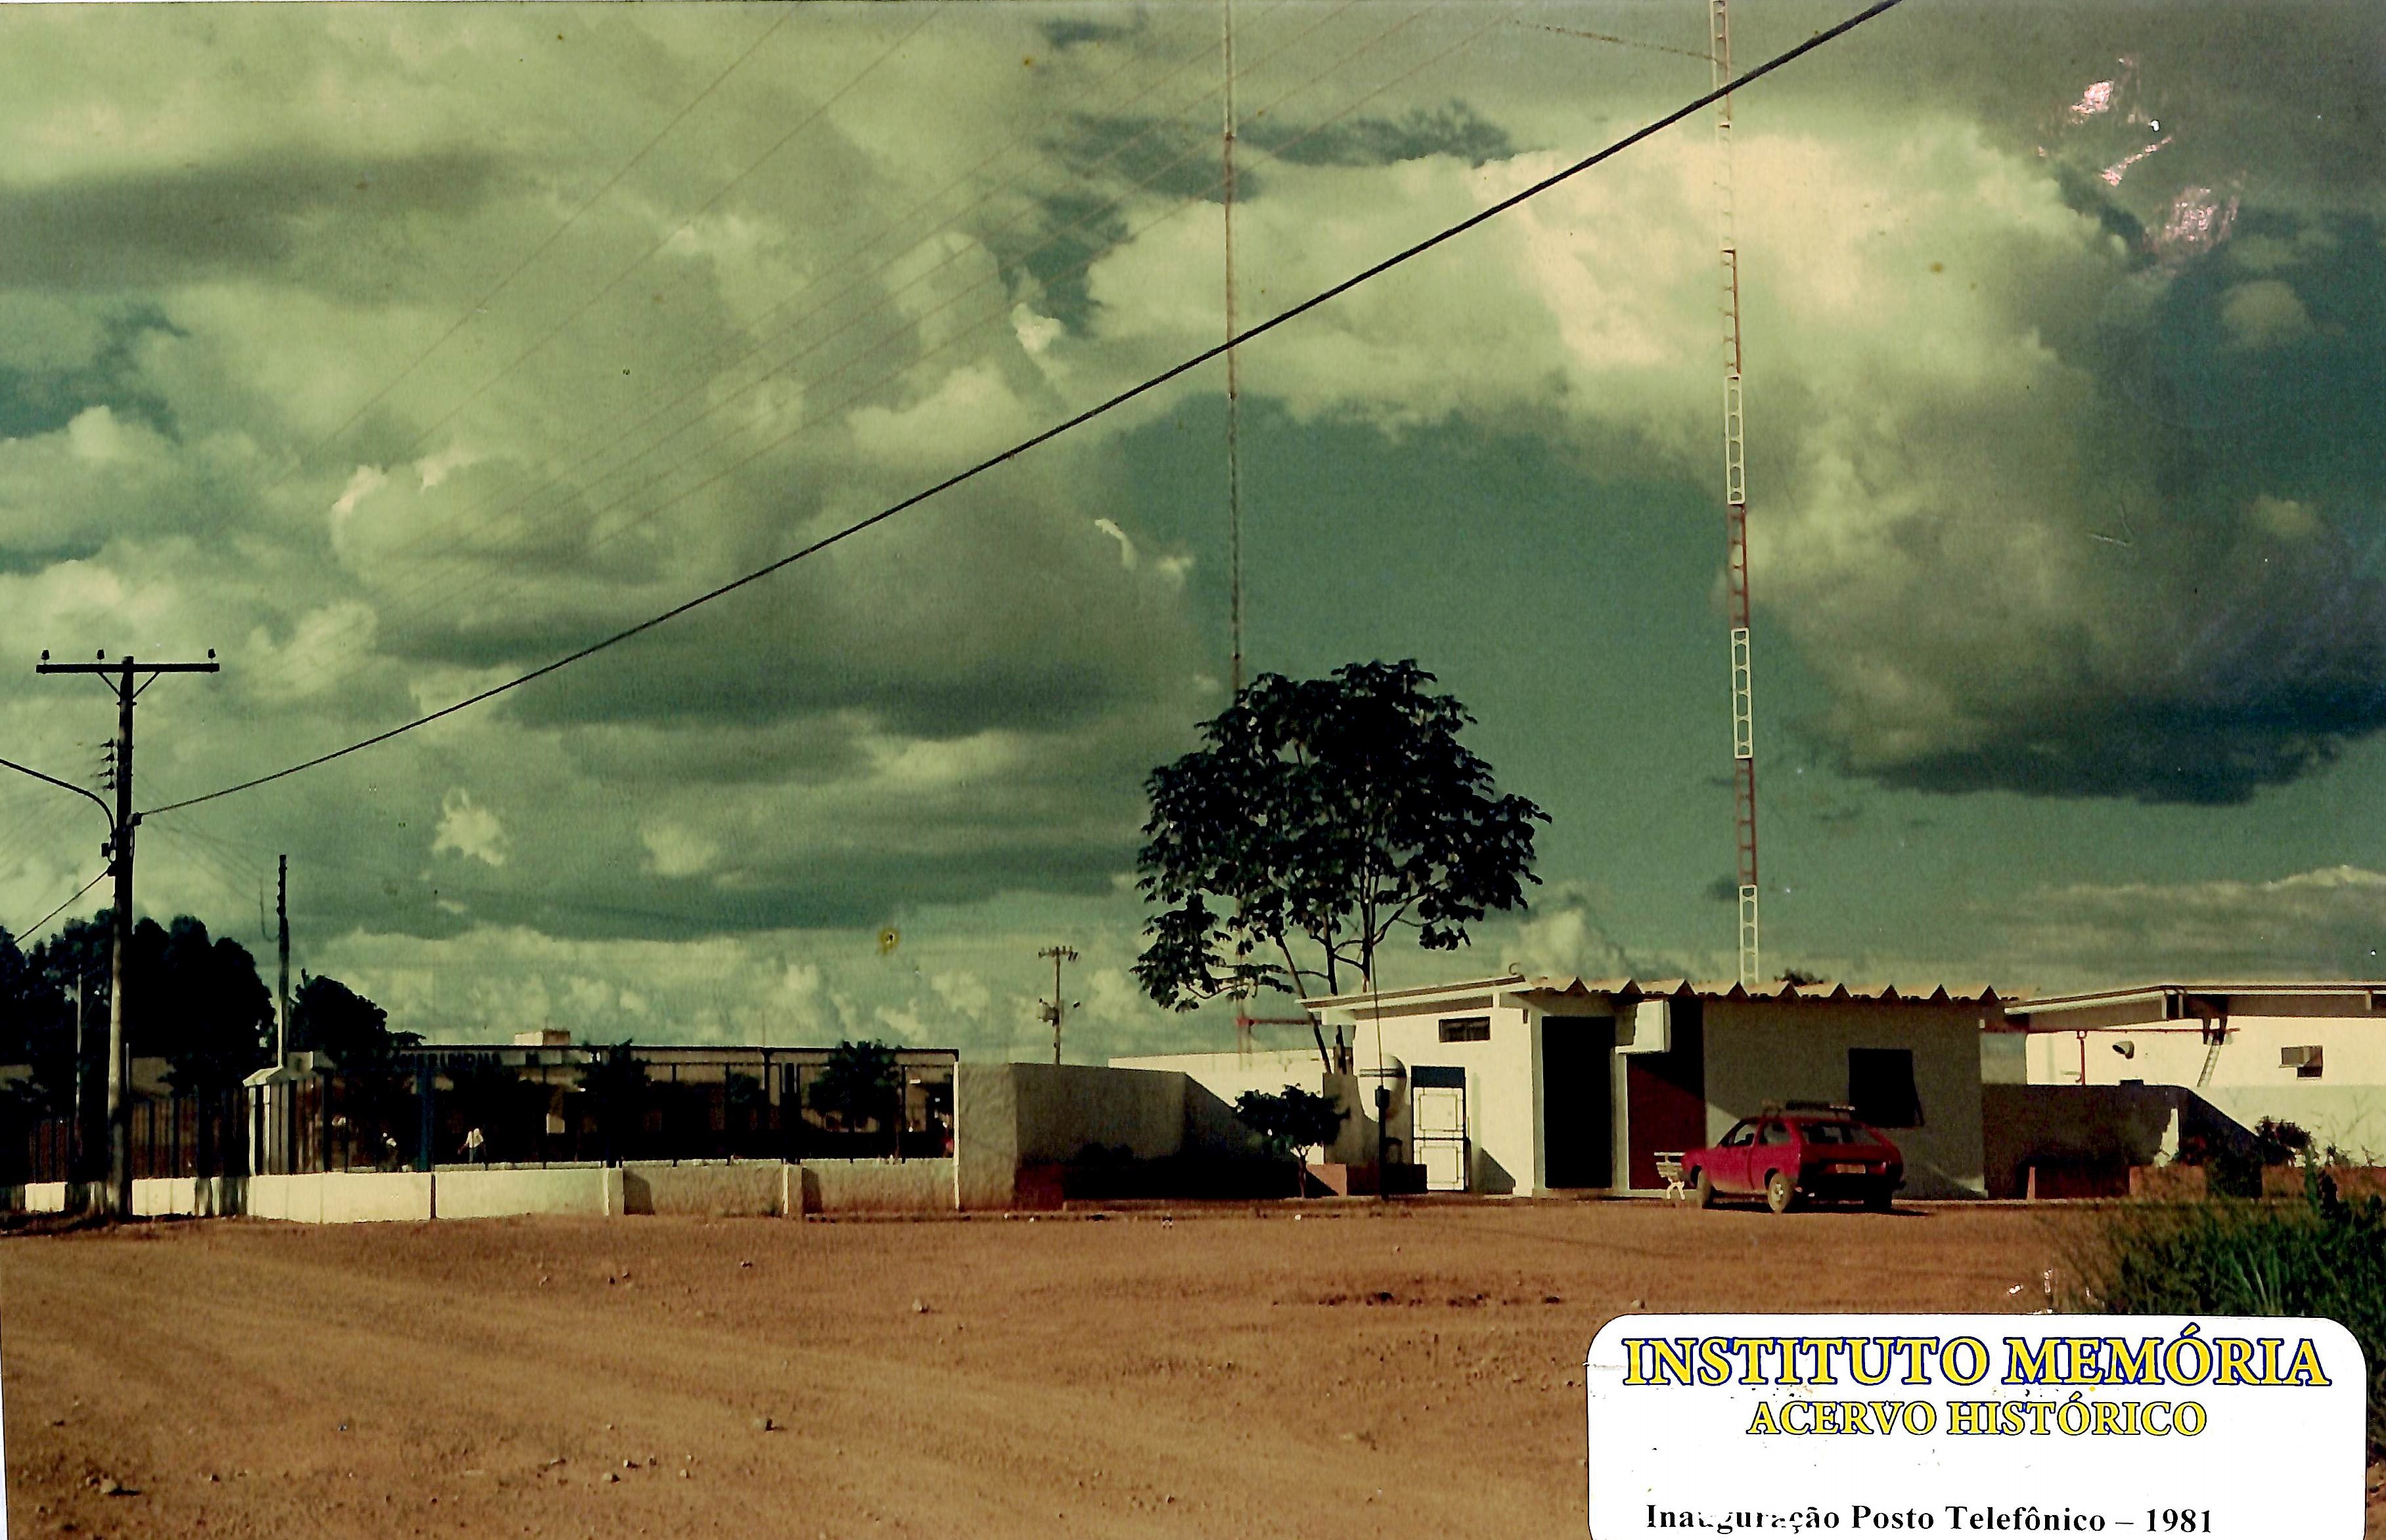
[{"x": 888, "y": 940}]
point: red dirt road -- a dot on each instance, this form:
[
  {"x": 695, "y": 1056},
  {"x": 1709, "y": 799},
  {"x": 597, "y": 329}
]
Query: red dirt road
[{"x": 1386, "y": 1371}]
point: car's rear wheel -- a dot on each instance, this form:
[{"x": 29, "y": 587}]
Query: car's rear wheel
[
  {"x": 1703, "y": 1190},
  {"x": 1779, "y": 1192},
  {"x": 1880, "y": 1197}
]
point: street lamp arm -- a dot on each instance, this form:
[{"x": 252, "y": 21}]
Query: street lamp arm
[{"x": 68, "y": 785}]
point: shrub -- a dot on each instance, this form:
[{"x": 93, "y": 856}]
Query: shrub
[{"x": 2317, "y": 1256}]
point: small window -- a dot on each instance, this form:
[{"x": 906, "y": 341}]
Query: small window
[
  {"x": 1880, "y": 1087},
  {"x": 1466, "y": 1029},
  {"x": 2305, "y": 1061},
  {"x": 1775, "y": 1133}
]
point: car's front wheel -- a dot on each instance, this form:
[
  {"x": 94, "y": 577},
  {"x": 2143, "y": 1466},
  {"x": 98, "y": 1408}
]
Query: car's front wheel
[
  {"x": 1779, "y": 1192},
  {"x": 1703, "y": 1190}
]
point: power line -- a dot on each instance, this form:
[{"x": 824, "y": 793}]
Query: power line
[
  {"x": 959, "y": 334},
  {"x": 1185, "y": 366},
  {"x": 537, "y": 251},
  {"x": 619, "y": 278},
  {"x": 63, "y": 907},
  {"x": 531, "y": 488},
  {"x": 1620, "y": 42}
]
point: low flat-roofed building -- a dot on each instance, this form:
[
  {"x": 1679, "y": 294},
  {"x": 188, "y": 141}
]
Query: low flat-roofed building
[
  {"x": 2312, "y": 1053},
  {"x": 1529, "y": 1085}
]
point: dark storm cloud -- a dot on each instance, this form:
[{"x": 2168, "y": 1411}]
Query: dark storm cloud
[
  {"x": 2258, "y": 379},
  {"x": 1453, "y": 130},
  {"x": 154, "y": 228},
  {"x": 39, "y": 400}
]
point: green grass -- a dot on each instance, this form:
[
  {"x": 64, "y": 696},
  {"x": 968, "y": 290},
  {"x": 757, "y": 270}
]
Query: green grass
[{"x": 2315, "y": 1256}]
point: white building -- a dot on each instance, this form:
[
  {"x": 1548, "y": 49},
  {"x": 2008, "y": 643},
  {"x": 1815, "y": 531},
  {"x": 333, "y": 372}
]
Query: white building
[
  {"x": 2312, "y": 1055},
  {"x": 1531, "y": 1085}
]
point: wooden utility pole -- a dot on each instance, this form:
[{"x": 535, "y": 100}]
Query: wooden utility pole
[
  {"x": 1056, "y": 1008},
  {"x": 282, "y": 997},
  {"x": 119, "y": 853}
]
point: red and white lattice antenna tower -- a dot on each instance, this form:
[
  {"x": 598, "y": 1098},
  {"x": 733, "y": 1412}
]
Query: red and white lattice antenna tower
[{"x": 1735, "y": 493}]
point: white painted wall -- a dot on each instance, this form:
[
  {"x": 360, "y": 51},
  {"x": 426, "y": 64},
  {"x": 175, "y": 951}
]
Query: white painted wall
[
  {"x": 2344, "y": 1107},
  {"x": 1502, "y": 1087}
]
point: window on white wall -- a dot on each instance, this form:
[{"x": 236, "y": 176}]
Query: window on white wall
[
  {"x": 1880, "y": 1087},
  {"x": 1466, "y": 1029}
]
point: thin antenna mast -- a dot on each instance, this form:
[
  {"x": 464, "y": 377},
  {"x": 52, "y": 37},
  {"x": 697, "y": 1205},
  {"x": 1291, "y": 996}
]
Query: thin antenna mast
[
  {"x": 1735, "y": 484},
  {"x": 1234, "y": 384}
]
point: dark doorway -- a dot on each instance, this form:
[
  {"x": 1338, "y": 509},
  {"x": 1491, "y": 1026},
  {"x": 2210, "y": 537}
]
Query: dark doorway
[
  {"x": 1578, "y": 1097},
  {"x": 1667, "y": 1096}
]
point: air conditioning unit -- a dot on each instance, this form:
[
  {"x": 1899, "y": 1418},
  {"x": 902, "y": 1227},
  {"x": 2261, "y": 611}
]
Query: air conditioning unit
[
  {"x": 1652, "y": 1029},
  {"x": 2305, "y": 1061}
]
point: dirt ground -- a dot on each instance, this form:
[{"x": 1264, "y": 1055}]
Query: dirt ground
[{"x": 1389, "y": 1370}]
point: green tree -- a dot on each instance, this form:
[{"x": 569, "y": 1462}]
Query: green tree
[
  {"x": 327, "y": 1016},
  {"x": 371, "y": 1092},
  {"x": 861, "y": 1084},
  {"x": 1329, "y": 812},
  {"x": 1290, "y": 1121},
  {"x": 204, "y": 1009},
  {"x": 36, "y": 1027}
]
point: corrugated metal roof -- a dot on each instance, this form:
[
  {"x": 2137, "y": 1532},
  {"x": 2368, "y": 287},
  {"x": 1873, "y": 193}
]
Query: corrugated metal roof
[{"x": 1964, "y": 993}]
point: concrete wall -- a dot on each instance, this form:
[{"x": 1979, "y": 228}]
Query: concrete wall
[
  {"x": 339, "y": 1197},
  {"x": 298, "y": 1198},
  {"x": 486, "y": 1194},
  {"x": 362, "y": 1197},
  {"x": 1024, "y": 1134},
  {"x": 1760, "y": 1052},
  {"x": 985, "y": 1136},
  {"x": 2346, "y": 1104},
  {"x": 198, "y": 1196},
  {"x": 1210, "y": 1121},
  {"x": 874, "y": 1186},
  {"x": 715, "y": 1188},
  {"x": 55, "y": 1197}
]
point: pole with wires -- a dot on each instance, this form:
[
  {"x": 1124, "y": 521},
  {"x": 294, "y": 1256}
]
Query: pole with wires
[
  {"x": 119, "y": 853},
  {"x": 1057, "y": 1008},
  {"x": 281, "y": 995},
  {"x": 1234, "y": 387}
]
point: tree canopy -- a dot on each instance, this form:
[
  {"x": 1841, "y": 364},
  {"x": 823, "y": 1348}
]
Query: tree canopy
[
  {"x": 861, "y": 1082},
  {"x": 195, "y": 1000},
  {"x": 1290, "y": 1119},
  {"x": 1321, "y": 815},
  {"x": 329, "y": 1018}
]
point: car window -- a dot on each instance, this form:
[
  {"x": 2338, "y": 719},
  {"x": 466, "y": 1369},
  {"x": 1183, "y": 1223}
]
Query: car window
[
  {"x": 1775, "y": 1133},
  {"x": 1742, "y": 1133},
  {"x": 1826, "y": 1134}
]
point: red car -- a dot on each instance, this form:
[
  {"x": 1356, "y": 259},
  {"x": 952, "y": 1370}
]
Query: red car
[{"x": 1794, "y": 1155}]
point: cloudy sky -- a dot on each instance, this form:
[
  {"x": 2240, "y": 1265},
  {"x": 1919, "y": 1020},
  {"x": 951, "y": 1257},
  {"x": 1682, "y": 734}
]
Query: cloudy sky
[{"x": 394, "y": 351}]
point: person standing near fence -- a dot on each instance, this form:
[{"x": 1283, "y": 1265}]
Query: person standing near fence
[{"x": 472, "y": 1147}]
